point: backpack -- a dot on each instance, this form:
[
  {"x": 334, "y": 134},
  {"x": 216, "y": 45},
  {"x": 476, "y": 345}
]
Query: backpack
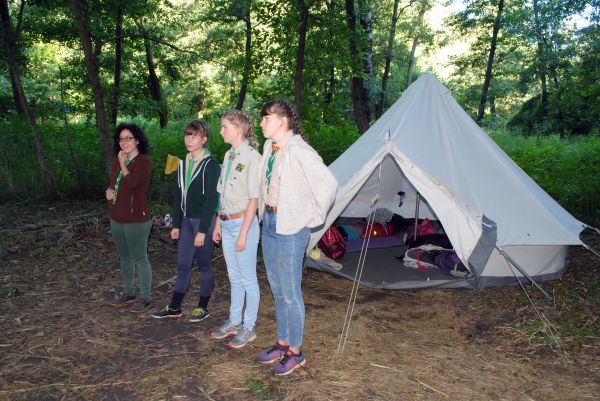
[
  {"x": 449, "y": 262},
  {"x": 332, "y": 244}
]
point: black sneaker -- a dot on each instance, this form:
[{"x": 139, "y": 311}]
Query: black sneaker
[
  {"x": 123, "y": 301},
  {"x": 167, "y": 311},
  {"x": 199, "y": 314},
  {"x": 141, "y": 306}
]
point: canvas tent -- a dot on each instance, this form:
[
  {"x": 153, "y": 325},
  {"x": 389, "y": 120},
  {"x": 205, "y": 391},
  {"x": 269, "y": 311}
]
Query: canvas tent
[{"x": 428, "y": 147}]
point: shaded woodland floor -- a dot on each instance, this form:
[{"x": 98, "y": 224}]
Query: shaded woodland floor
[{"x": 61, "y": 341}]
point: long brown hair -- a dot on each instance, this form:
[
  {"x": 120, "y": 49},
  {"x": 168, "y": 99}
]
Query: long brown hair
[
  {"x": 284, "y": 108},
  {"x": 243, "y": 121}
]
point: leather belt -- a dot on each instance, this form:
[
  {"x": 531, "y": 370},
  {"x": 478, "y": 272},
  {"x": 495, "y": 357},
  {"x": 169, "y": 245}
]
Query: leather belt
[
  {"x": 271, "y": 209},
  {"x": 232, "y": 216}
]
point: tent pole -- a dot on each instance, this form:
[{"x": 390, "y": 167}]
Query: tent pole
[
  {"x": 418, "y": 201},
  {"x": 519, "y": 268}
]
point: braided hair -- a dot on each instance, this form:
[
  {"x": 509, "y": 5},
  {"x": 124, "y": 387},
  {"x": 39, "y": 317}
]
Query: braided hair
[
  {"x": 284, "y": 108},
  {"x": 243, "y": 121}
]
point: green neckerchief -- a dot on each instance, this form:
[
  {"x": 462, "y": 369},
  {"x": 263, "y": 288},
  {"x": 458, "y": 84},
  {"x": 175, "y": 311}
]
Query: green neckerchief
[
  {"x": 127, "y": 162},
  {"x": 189, "y": 172},
  {"x": 230, "y": 160},
  {"x": 274, "y": 149}
]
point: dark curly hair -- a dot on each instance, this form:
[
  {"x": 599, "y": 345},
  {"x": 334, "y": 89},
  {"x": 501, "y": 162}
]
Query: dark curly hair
[{"x": 138, "y": 134}]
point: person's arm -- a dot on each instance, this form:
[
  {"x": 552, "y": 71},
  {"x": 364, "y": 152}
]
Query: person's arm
[
  {"x": 249, "y": 216},
  {"x": 320, "y": 179},
  {"x": 138, "y": 175},
  {"x": 110, "y": 191}
]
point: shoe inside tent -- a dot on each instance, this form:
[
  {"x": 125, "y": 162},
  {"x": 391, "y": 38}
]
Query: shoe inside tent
[{"x": 498, "y": 220}]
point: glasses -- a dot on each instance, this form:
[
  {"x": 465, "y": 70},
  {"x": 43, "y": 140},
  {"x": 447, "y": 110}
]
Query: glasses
[{"x": 126, "y": 139}]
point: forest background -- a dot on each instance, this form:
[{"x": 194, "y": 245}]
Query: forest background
[{"x": 528, "y": 71}]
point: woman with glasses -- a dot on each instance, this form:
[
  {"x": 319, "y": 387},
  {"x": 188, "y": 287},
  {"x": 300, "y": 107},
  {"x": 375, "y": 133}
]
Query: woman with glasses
[
  {"x": 130, "y": 219},
  {"x": 193, "y": 216}
]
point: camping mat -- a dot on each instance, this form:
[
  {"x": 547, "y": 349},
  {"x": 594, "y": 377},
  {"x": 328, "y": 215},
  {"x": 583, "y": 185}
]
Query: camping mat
[
  {"x": 383, "y": 270},
  {"x": 375, "y": 242}
]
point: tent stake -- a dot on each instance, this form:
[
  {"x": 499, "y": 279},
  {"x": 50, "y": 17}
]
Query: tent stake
[{"x": 520, "y": 269}]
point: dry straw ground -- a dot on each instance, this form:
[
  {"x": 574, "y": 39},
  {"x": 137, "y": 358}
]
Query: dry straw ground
[{"x": 61, "y": 341}]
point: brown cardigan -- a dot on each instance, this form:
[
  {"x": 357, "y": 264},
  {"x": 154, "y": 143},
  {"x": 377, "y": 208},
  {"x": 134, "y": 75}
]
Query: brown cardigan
[{"x": 132, "y": 203}]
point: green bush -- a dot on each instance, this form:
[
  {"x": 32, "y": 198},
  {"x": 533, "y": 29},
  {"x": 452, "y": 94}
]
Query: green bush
[{"x": 565, "y": 168}]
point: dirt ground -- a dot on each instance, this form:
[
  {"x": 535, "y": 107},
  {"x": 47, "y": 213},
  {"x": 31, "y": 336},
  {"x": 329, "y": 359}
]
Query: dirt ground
[{"x": 60, "y": 340}]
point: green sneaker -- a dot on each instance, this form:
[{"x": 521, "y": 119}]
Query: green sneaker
[
  {"x": 167, "y": 311},
  {"x": 199, "y": 314}
]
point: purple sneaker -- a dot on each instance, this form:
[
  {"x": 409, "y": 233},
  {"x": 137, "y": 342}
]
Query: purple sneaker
[
  {"x": 273, "y": 354},
  {"x": 289, "y": 363}
]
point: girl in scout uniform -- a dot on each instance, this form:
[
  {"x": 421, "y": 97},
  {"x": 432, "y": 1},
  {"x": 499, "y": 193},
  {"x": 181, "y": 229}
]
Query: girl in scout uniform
[
  {"x": 237, "y": 227},
  {"x": 193, "y": 216},
  {"x": 296, "y": 192}
]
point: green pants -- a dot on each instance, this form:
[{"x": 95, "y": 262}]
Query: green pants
[{"x": 132, "y": 243}]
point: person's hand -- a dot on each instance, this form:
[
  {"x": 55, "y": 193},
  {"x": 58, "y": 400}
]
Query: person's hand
[
  {"x": 121, "y": 157},
  {"x": 199, "y": 240},
  {"x": 240, "y": 243},
  {"x": 174, "y": 233},
  {"x": 216, "y": 236},
  {"x": 110, "y": 194}
]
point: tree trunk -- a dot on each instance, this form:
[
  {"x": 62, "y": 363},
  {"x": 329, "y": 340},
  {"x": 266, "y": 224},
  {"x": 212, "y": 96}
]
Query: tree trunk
[
  {"x": 155, "y": 89},
  {"x": 247, "y": 57},
  {"x": 493, "y": 105},
  {"x": 416, "y": 37},
  {"x": 541, "y": 56},
  {"x": 118, "y": 59},
  {"x": 15, "y": 92},
  {"x": 388, "y": 60},
  {"x": 357, "y": 84},
  {"x": 69, "y": 138},
  {"x": 366, "y": 22},
  {"x": 329, "y": 82},
  {"x": 490, "y": 63},
  {"x": 303, "y": 22},
  {"x": 91, "y": 66},
  {"x": 10, "y": 55},
  {"x": 411, "y": 59}
]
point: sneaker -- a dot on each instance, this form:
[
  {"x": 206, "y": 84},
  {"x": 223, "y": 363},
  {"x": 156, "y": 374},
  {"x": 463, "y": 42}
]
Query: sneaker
[
  {"x": 273, "y": 354},
  {"x": 226, "y": 330},
  {"x": 289, "y": 363},
  {"x": 141, "y": 306},
  {"x": 243, "y": 337},
  {"x": 199, "y": 314},
  {"x": 123, "y": 301},
  {"x": 167, "y": 311}
]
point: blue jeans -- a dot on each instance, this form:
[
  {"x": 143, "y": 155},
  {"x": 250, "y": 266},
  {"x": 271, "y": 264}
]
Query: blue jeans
[
  {"x": 186, "y": 252},
  {"x": 241, "y": 268},
  {"x": 284, "y": 258}
]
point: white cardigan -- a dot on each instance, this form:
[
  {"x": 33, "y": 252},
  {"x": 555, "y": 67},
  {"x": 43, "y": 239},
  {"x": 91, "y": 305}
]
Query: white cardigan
[{"x": 306, "y": 186}]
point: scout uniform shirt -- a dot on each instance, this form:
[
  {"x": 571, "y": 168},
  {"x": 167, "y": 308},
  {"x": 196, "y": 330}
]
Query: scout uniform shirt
[{"x": 243, "y": 180}]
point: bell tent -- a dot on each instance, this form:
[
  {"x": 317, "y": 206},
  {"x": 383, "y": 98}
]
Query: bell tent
[{"x": 426, "y": 158}]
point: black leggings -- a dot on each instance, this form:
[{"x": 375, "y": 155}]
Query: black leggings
[{"x": 185, "y": 256}]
